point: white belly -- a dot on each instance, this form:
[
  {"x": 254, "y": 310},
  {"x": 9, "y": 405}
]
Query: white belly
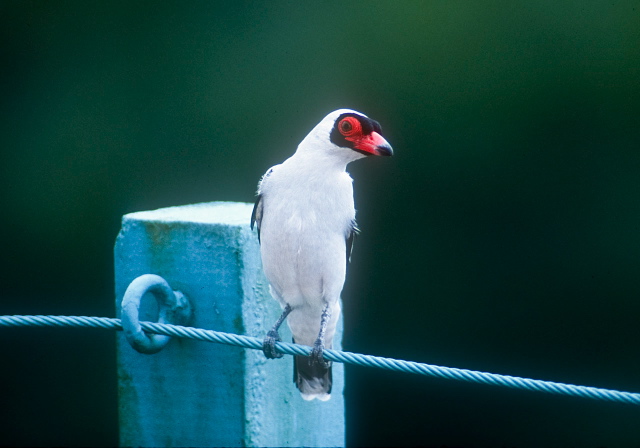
[{"x": 304, "y": 258}]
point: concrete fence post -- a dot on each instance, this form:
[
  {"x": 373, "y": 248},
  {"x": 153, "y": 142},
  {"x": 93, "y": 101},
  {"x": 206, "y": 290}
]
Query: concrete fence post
[{"x": 195, "y": 393}]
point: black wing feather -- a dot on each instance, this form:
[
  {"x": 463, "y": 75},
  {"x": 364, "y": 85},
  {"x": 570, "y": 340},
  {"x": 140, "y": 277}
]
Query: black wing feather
[
  {"x": 351, "y": 236},
  {"x": 256, "y": 215}
]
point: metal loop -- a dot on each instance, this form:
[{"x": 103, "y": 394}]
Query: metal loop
[{"x": 173, "y": 308}]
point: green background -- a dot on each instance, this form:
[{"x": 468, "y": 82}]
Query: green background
[{"x": 504, "y": 235}]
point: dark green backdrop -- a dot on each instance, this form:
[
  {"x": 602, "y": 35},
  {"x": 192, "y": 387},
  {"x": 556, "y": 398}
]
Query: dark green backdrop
[{"x": 503, "y": 236}]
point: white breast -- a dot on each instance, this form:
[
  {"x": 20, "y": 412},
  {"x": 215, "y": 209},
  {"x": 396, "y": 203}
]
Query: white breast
[{"x": 307, "y": 214}]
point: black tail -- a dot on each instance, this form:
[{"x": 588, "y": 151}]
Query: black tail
[{"x": 313, "y": 381}]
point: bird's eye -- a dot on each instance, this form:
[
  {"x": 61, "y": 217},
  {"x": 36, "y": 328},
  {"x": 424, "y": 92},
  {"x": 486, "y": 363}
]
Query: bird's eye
[{"x": 349, "y": 126}]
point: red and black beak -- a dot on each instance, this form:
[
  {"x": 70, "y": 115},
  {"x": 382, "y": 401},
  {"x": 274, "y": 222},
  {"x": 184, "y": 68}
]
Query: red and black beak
[{"x": 373, "y": 144}]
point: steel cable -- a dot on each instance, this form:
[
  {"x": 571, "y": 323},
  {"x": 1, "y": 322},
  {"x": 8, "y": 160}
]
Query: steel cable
[{"x": 333, "y": 355}]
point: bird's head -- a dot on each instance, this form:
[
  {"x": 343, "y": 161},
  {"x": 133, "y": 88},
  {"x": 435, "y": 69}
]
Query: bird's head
[{"x": 348, "y": 135}]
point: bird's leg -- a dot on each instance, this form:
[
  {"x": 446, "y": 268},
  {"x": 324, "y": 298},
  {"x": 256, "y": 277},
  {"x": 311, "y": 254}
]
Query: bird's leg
[
  {"x": 318, "y": 346},
  {"x": 269, "y": 344}
]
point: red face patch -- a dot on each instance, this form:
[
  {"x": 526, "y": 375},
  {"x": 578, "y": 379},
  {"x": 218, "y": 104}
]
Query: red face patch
[
  {"x": 350, "y": 127},
  {"x": 360, "y": 134}
]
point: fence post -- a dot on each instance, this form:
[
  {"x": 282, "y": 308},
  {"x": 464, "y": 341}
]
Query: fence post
[{"x": 203, "y": 394}]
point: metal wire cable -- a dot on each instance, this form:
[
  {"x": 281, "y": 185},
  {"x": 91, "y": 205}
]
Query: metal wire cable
[{"x": 333, "y": 355}]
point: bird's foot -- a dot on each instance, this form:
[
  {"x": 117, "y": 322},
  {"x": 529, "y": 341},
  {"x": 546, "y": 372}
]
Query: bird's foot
[
  {"x": 269, "y": 345},
  {"x": 316, "y": 356}
]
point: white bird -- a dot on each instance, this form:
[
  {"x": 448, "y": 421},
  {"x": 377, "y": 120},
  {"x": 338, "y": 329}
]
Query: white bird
[{"x": 306, "y": 224}]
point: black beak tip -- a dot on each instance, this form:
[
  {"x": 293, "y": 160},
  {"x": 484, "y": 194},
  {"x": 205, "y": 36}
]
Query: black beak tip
[{"x": 384, "y": 150}]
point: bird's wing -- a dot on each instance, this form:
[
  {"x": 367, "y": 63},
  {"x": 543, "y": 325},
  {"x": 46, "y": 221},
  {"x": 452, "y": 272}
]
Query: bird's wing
[
  {"x": 351, "y": 235},
  {"x": 256, "y": 215}
]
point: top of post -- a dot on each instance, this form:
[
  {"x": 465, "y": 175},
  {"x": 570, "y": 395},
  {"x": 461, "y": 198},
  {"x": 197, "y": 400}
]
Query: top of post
[{"x": 230, "y": 213}]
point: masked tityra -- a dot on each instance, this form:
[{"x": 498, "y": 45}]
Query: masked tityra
[{"x": 306, "y": 224}]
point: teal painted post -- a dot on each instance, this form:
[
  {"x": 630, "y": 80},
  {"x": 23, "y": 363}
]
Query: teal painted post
[{"x": 195, "y": 393}]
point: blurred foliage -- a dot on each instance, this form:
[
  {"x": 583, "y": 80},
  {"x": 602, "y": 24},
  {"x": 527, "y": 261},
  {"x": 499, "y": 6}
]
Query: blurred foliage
[{"x": 503, "y": 236}]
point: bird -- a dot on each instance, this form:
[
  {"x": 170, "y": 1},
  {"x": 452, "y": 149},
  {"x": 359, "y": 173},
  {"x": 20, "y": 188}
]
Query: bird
[{"x": 305, "y": 219}]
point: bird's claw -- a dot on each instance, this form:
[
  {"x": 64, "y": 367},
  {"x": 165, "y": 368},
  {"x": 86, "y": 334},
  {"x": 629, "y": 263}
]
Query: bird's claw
[
  {"x": 316, "y": 356},
  {"x": 269, "y": 345}
]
